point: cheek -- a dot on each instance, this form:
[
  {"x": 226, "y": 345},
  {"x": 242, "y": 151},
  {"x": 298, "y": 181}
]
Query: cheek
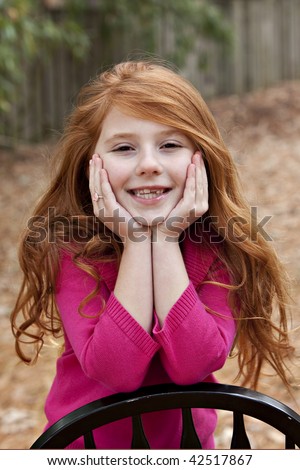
[{"x": 180, "y": 175}]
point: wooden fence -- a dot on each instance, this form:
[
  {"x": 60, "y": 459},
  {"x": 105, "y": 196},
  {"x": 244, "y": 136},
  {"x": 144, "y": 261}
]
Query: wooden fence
[{"x": 266, "y": 51}]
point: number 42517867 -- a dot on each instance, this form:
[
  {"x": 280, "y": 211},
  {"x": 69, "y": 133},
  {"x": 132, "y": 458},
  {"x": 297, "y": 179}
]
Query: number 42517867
[{"x": 221, "y": 459}]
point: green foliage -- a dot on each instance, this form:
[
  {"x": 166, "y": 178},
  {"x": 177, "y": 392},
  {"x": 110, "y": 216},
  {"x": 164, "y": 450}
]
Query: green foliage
[
  {"x": 189, "y": 20},
  {"x": 28, "y": 32}
]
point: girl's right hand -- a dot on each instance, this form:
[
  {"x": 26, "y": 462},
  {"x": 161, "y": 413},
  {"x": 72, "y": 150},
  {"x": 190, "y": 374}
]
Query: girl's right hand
[{"x": 108, "y": 210}]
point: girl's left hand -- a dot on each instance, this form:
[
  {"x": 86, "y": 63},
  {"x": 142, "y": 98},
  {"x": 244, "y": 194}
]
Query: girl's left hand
[{"x": 194, "y": 202}]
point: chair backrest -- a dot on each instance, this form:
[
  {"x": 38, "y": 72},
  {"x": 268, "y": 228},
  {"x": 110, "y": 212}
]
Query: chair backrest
[{"x": 240, "y": 401}]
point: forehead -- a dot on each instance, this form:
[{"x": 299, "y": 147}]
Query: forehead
[{"x": 117, "y": 121}]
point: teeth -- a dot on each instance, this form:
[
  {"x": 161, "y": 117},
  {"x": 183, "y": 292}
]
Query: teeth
[
  {"x": 148, "y": 193},
  {"x": 143, "y": 191}
]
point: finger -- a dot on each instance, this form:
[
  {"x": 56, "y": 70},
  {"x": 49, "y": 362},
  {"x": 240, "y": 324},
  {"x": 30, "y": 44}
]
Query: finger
[
  {"x": 106, "y": 189},
  {"x": 97, "y": 195},
  {"x": 190, "y": 187},
  {"x": 94, "y": 184},
  {"x": 201, "y": 187},
  {"x": 197, "y": 157},
  {"x": 188, "y": 198}
]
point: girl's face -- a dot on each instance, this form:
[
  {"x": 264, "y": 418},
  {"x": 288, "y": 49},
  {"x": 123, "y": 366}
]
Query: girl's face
[{"x": 146, "y": 164}]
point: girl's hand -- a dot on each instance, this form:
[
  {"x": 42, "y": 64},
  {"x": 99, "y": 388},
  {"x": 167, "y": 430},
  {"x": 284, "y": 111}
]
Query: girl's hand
[
  {"x": 194, "y": 202},
  {"x": 106, "y": 207}
]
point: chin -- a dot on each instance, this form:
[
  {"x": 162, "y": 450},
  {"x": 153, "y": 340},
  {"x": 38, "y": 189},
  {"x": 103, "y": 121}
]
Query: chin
[{"x": 153, "y": 219}]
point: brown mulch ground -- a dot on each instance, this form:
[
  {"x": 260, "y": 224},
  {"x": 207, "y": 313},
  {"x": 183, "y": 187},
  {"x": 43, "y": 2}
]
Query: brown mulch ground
[{"x": 262, "y": 130}]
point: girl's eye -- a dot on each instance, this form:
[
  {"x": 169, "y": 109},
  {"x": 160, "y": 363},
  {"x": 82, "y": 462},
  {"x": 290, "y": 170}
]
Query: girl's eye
[
  {"x": 171, "y": 145},
  {"x": 123, "y": 148}
]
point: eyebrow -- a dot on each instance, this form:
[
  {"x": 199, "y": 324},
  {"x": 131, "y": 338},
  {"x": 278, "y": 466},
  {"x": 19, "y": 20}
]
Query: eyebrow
[
  {"x": 118, "y": 137},
  {"x": 130, "y": 135}
]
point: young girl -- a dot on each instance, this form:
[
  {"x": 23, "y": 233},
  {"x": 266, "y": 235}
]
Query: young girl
[{"x": 143, "y": 252}]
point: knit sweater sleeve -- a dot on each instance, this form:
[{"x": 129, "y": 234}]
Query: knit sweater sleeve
[
  {"x": 195, "y": 342},
  {"x": 111, "y": 347}
]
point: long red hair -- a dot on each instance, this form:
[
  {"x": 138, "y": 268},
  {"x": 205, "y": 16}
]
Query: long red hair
[{"x": 64, "y": 217}]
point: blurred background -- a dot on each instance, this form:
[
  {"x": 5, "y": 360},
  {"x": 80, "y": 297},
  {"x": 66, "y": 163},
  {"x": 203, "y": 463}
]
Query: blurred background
[{"x": 242, "y": 55}]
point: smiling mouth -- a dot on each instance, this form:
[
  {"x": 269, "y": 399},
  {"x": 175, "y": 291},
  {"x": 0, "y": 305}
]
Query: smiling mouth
[{"x": 149, "y": 193}]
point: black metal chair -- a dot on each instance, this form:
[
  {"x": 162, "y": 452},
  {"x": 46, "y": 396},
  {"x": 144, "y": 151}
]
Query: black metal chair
[{"x": 240, "y": 401}]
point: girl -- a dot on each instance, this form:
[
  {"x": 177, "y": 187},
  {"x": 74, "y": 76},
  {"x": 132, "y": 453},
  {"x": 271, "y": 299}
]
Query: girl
[{"x": 144, "y": 254}]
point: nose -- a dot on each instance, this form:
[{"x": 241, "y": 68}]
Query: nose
[{"x": 148, "y": 163}]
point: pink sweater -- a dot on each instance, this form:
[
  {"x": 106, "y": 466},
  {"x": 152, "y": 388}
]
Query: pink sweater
[{"x": 112, "y": 353}]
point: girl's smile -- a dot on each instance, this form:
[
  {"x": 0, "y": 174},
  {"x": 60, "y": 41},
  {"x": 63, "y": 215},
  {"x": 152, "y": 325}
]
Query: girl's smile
[
  {"x": 149, "y": 195},
  {"x": 146, "y": 164}
]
